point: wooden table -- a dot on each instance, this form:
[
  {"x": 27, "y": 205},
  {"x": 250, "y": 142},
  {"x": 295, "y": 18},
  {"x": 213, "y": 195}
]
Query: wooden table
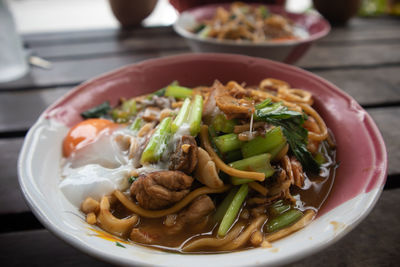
[{"x": 363, "y": 59}]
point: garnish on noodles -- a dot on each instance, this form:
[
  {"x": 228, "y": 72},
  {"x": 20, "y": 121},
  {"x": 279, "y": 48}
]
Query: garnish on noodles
[{"x": 207, "y": 169}]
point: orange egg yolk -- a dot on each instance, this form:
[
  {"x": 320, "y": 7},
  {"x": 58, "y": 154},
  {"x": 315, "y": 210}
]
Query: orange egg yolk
[{"x": 84, "y": 133}]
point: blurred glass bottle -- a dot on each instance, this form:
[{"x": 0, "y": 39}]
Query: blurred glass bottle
[{"x": 13, "y": 63}]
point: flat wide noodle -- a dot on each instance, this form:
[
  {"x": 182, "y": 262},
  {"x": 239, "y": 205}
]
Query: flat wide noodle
[
  {"x": 259, "y": 188},
  {"x": 214, "y": 241},
  {"x": 321, "y": 124},
  {"x": 174, "y": 209},
  {"x": 111, "y": 224},
  {"x": 245, "y": 236}
]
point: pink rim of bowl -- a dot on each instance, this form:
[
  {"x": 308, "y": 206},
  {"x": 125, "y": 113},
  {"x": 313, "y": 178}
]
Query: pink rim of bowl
[
  {"x": 286, "y": 51},
  {"x": 360, "y": 147}
]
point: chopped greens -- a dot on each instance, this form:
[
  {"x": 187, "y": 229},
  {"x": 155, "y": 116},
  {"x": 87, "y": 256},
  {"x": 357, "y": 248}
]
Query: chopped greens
[
  {"x": 158, "y": 142},
  {"x": 204, "y": 32},
  {"x": 119, "y": 245},
  {"x": 161, "y": 92},
  {"x": 125, "y": 112},
  {"x": 291, "y": 123},
  {"x": 97, "y": 111},
  {"x": 178, "y": 91},
  {"x": 199, "y": 28},
  {"x": 136, "y": 124},
  {"x": 132, "y": 179},
  {"x": 190, "y": 115},
  {"x": 263, "y": 11},
  {"x": 222, "y": 124}
]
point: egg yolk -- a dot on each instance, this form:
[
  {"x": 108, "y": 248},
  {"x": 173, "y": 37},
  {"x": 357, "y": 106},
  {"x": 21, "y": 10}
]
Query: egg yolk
[{"x": 85, "y": 133}]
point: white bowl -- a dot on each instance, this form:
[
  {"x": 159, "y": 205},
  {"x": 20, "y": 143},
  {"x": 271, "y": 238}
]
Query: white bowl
[{"x": 357, "y": 186}]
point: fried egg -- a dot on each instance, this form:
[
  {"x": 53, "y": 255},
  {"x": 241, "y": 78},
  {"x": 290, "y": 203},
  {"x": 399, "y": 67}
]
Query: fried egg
[{"x": 96, "y": 160}]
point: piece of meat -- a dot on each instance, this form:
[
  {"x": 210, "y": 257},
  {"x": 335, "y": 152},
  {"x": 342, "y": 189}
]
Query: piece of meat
[
  {"x": 196, "y": 213},
  {"x": 184, "y": 157},
  {"x": 157, "y": 190},
  {"x": 199, "y": 208},
  {"x": 277, "y": 26},
  {"x": 231, "y": 106},
  {"x": 141, "y": 236},
  {"x": 151, "y": 114}
]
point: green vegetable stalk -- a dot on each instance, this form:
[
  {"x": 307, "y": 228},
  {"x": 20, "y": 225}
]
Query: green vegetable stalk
[
  {"x": 232, "y": 156},
  {"x": 195, "y": 115},
  {"x": 223, "y": 207},
  {"x": 178, "y": 91},
  {"x": 136, "y": 124},
  {"x": 278, "y": 208},
  {"x": 221, "y": 124},
  {"x": 233, "y": 210},
  {"x": 181, "y": 118},
  {"x": 189, "y": 114},
  {"x": 228, "y": 142},
  {"x": 157, "y": 143},
  {"x": 273, "y": 138},
  {"x": 285, "y": 219},
  {"x": 259, "y": 163}
]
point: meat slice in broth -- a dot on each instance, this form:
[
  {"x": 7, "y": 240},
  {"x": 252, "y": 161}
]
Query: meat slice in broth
[
  {"x": 160, "y": 189},
  {"x": 196, "y": 213}
]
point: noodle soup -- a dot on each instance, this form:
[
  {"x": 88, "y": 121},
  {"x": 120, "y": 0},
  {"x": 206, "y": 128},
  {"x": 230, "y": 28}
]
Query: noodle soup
[{"x": 209, "y": 169}]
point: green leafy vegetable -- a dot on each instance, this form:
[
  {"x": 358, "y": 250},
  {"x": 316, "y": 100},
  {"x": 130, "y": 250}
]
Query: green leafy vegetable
[
  {"x": 291, "y": 123},
  {"x": 97, "y": 111}
]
